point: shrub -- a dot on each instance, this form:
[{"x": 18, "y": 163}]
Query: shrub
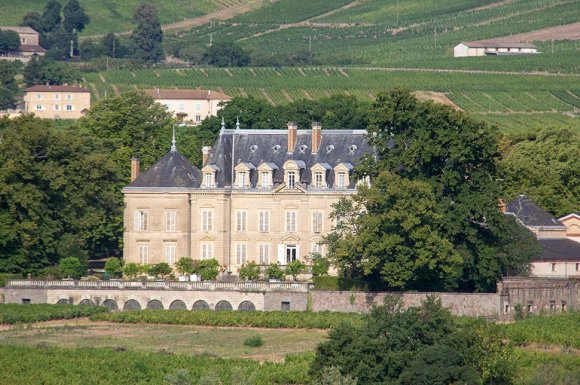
[
  {"x": 274, "y": 271},
  {"x": 185, "y": 266},
  {"x": 295, "y": 268},
  {"x": 6, "y": 277},
  {"x": 131, "y": 270},
  {"x": 249, "y": 271},
  {"x": 320, "y": 265},
  {"x": 339, "y": 284},
  {"x": 13, "y": 313},
  {"x": 160, "y": 270},
  {"x": 208, "y": 269},
  {"x": 254, "y": 341},
  {"x": 71, "y": 267},
  {"x": 113, "y": 267},
  {"x": 333, "y": 376}
]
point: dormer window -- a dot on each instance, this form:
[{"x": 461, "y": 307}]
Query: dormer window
[
  {"x": 209, "y": 173},
  {"x": 318, "y": 178},
  {"x": 265, "y": 174},
  {"x": 243, "y": 175},
  {"x": 319, "y": 171},
  {"x": 341, "y": 175},
  {"x": 292, "y": 172},
  {"x": 291, "y": 179}
]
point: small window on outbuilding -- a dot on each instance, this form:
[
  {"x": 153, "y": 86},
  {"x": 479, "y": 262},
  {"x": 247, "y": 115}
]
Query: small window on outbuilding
[
  {"x": 507, "y": 309},
  {"x": 552, "y": 305},
  {"x": 285, "y": 305},
  {"x": 26, "y": 301},
  {"x": 530, "y": 307}
]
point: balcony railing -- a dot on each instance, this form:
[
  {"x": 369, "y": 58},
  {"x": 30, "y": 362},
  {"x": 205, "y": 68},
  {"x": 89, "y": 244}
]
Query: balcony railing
[{"x": 160, "y": 285}]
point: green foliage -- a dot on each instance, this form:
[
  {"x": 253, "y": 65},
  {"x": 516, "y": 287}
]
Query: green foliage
[
  {"x": 43, "y": 71},
  {"x": 333, "y": 376},
  {"x": 50, "y": 18},
  {"x": 185, "y": 266},
  {"x": 75, "y": 17},
  {"x": 332, "y": 283},
  {"x": 9, "y": 41},
  {"x": 226, "y": 54},
  {"x": 208, "y": 269},
  {"x": 112, "y": 45},
  {"x": 71, "y": 267},
  {"x": 76, "y": 365},
  {"x": 114, "y": 267},
  {"x": 557, "y": 329},
  {"x": 12, "y": 314},
  {"x": 544, "y": 167},
  {"x": 264, "y": 319},
  {"x": 131, "y": 270},
  {"x": 249, "y": 271},
  {"x": 295, "y": 268},
  {"x": 160, "y": 270},
  {"x": 7, "y": 99},
  {"x": 6, "y": 277},
  {"x": 147, "y": 37},
  {"x": 254, "y": 341},
  {"x": 320, "y": 264},
  {"x": 423, "y": 343},
  {"x": 274, "y": 271}
]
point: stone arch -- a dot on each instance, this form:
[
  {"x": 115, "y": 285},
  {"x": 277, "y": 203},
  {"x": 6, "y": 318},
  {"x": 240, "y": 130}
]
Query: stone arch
[
  {"x": 132, "y": 305},
  {"x": 155, "y": 304},
  {"x": 247, "y": 306},
  {"x": 177, "y": 305},
  {"x": 223, "y": 305},
  {"x": 63, "y": 301},
  {"x": 86, "y": 302},
  {"x": 200, "y": 305},
  {"x": 110, "y": 304}
]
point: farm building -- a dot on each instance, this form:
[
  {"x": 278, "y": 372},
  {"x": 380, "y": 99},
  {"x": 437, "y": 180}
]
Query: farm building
[
  {"x": 57, "y": 102},
  {"x": 261, "y": 195},
  {"x": 486, "y": 48},
  {"x": 29, "y": 44},
  {"x": 195, "y": 105}
]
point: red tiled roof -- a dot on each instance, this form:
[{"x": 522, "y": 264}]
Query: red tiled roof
[
  {"x": 31, "y": 48},
  {"x": 187, "y": 94},
  {"x": 45, "y": 88}
]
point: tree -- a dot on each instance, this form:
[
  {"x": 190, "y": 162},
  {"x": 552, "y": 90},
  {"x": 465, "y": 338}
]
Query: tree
[
  {"x": 160, "y": 270},
  {"x": 320, "y": 264},
  {"x": 7, "y": 99},
  {"x": 9, "y": 41},
  {"x": 208, "y": 269},
  {"x": 71, "y": 267},
  {"x": 44, "y": 71},
  {"x": 112, "y": 45},
  {"x": 89, "y": 50},
  {"x": 249, "y": 271},
  {"x": 131, "y": 270},
  {"x": 147, "y": 37},
  {"x": 432, "y": 143},
  {"x": 114, "y": 267},
  {"x": 75, "y": 17},
  {"x": 390, "y": 233},
  {"x": 50, "y": 18},
  {"x": 545, "y": 168},
  {"x": 295, "y": 268},
  {"x": 185, "y": 266},
  {"x": 33, "y": 20},
  {"x": 227, "y": 54}
]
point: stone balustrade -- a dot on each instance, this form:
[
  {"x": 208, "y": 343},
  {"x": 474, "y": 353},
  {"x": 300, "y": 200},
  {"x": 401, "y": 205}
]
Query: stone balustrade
[{"x": 298, "y": 287}]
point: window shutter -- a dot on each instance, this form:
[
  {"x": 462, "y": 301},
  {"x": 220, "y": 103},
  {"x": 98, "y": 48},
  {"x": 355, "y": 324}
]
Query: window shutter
[
  {"x": 297, "y": 252},
  {"x": 281, "y": 257},
  {"x": 136, "y": 220}
]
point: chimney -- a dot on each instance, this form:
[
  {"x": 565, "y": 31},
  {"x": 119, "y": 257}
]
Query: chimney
[
  {"x": 134, "y": 168},
  {"x": 292, "y": 133},
  {"x": 316, "y": 137},
  {"x": 205, "y": 154},
  {"x": 501, "y": 205}
]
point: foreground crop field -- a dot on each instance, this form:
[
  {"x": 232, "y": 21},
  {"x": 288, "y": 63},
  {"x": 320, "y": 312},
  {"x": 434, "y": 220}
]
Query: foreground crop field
[{"x": 12, "y": 314}]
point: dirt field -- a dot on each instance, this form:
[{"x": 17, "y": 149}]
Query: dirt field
[
  {"x": 563, "y": 32},
  {"x": 437, "y": 97}
]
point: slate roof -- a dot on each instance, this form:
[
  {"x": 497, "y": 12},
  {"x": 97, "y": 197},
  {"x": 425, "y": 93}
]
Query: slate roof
[
  {"x": 173, "y": 170},
  {"x": 559, "y": 250},
  {"x": 530, "y": 214},
  {"x": 271, "y": 146}
]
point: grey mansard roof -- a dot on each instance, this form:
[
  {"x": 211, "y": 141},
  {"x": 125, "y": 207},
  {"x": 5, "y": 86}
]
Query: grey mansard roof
[
  {"x": 173, "y": 170},
  {"x": 559, "y": 250},
  {"x": 271, "y": 146},
  {"x": 530, "y": 214}
]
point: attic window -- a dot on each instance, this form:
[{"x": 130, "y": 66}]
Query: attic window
[
  {"x": 329, "y": 148},
  {"x": 276, "y": 148},
  {"x": 303, "y": 148},
  {"x": 253, "y": 148},
  {"x": 351, "y": 149}
]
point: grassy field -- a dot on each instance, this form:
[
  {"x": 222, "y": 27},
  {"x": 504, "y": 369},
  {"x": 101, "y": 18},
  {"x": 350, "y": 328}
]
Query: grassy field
[{"x": 116, "y": 15}]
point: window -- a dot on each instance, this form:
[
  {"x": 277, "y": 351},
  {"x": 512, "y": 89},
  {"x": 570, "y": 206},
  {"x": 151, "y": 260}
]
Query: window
[
  {"x": 38, "y": 96},
  {"x": 318, "y": 179},
  {"x": 264, "y": 221},
  {"x": 56, "y": 107},
  {"x": 39, "y": 107},
  {"x": 552, "y": 305},
  {"x": 197, "y": 118},
  {"x": 507, "y": 309},
  {"x": 241, "y": 220},
  {"x": 285, "y": 305},
  {"x": 291, "y": 179},
  {"x": 207, "y": 220},
  {"x": 69, "y": 107},
  {"x": 181, "y": 107},
  {"x": 144, "y": 254},
  {"x": 290, "y": 221},
  {"x": 264, "y": 253},
  {"x": 553, "y": 267},
  {"x": 341, "y": 180},
  {"x": 291, "y": 253},
  {"x": 577, "y": 266},
  {"x": 208, "y": 180},
  {"x": 265, "y": 175},
  {"x": 141, "y": 220},
  {"x": 25, "y": 301},
  {"x": 69, "y": 97},
  {"x": 170, "y": 254},
  {"x": 242, "y": 179},
  {"x": 241, "y": 253},
  {"x": 530, "y": 307},
  {"x": 56, "y": 97},
  {"x": 206, "y": 251},
  {"x": 316, "y": 248},
  {"x": 317, "y": 222},
  {"x": 198, "y": 106},
  {"x": 170, "y": 220}
]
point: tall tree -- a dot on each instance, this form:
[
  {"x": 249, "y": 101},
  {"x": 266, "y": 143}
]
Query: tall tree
[
  {"x": 457, "y": 156},
  {"x": 147, "y": 37},
  {"x": 51, "y": 18},
  {"x": 33, "y": 20},
  {"x": 227, "y": 54},
  {"x": 44, "y": 71},
  {"x": 75, "y": 17},
  {"x": 111, "y": 44},
  {"x": 9, "y": 41}
]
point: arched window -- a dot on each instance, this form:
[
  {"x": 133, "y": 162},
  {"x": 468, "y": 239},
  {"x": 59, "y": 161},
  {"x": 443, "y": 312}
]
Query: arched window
[
  {"x": 223, "y": 305},
  {"x": 177, "y": 305},
  {"x": 110, "y": 304},
  {"x": 246, "y": 306},
  {"x": 200, "y": 305},
  {"x": 155, "y": 304},
  {"x": 132, "y": 305}
]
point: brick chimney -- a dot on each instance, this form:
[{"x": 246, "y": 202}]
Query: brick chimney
[
  {"x": 134, "y": 168},
  {"x": 501, "y": 205},
  {"x": 205, "y": 154},
  {"x": 316, "y": 137},
  {"x": 292, "y": 134}
]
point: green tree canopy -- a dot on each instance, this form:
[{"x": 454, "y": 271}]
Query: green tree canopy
[
  {"x": 9, "y": 41},
  {"x": 147, "y": 37},
  {"x": 33, "y": 20},
  {"x": 44, "y": 71},
  {"x": 227, "y": 54},
  {"x": 546, "y": 168},
  {"x": 112, "y": 45},
  {"x": 50, "y": 18},
  {"x": 71, "y": 267},
  {"x": 75, "y": 17}
]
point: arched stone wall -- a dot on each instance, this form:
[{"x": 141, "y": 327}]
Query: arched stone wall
[
  {"x": 110, "y": 304},
  {"x": 200, "y": 305},
  {"x": 86, "y": 302},
  {"x": 177, "y": 305},
  {"x": 132, "y": 305},
  {"x": 155, "y": 304},
  {"x": 223, "y": 305},
  {"x": 63, "y": 301},
  {"x": 246, "y": 306}
]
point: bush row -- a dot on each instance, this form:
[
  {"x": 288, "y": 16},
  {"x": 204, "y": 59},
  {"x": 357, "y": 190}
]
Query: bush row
[
  {"x": 266, "y": 319},
  {"x": 14, "y": 313}
]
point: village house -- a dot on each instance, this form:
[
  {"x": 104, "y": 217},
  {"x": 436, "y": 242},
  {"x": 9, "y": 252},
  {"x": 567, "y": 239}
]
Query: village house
[
  {"x": 29, "y": 44},
  {"x": 57, "y": 102},
  {"x": 560, "y": 252},
  {"x": 193, "y": 105},
  {"x": 491, "y": 47},
  {"x": 261, "y": 195}
]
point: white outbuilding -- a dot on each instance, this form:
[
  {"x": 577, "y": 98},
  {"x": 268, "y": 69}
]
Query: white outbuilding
[{"x": 490, "y": 47}]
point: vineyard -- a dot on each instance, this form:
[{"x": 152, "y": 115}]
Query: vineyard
[
  {"x": 561, "y": 329},
  {"x": 12, "y": 314}
]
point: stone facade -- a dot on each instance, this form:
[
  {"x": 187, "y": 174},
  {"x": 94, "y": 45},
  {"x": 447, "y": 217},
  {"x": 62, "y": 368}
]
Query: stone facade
[
  {"x": 57, "y": 102},
  {"x": 195, "y": 105}
]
